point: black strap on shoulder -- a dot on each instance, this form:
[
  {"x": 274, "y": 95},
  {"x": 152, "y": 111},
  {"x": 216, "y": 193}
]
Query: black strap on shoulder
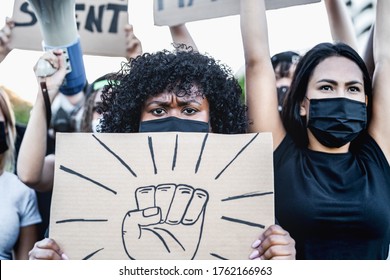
[{"x": 47, "y": 103}]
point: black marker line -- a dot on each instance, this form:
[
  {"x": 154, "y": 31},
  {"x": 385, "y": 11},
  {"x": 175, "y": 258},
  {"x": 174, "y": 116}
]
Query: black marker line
[
  {"x": 152, "y": 153},
  {"x": 115, "y": 155},
  {"x": 80, "y": 220},
  {"x": 70, "y": 171},
  {"x": 246, "y": 146},
  {"x": 242, "y": 222},
  {"x": 218, "y": 256},
  {"x": 170, "y": 233},
  {"x": 201, "y": 153},
  {"x": 246, "y": 195},
  {"x": 175, "y": 153},
  {"x": 160, "y": 237},
  {"x": 92, "y": 254}
]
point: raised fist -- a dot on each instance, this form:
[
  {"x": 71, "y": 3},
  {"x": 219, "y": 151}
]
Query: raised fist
[{"x": 167, "y": 224}]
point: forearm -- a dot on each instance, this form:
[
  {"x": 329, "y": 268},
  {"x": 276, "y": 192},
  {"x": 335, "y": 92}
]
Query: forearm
[
  {"x": 27, "y": 237},
  {"x": 32, "y": 151},
  {"x": 260, "y": 84},
  {"x": 382, "y": 32},
  {"x": 254, "y": 32},
  {"x": 5, "y": 38},
  {"x": 368, "y": 52},
  {"x": 340, "y": 23},
  {"x": 181, "y": 35},
  {"x": 379, "y": 127}
]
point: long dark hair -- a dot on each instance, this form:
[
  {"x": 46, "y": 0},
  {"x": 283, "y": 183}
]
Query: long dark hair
[{"x": 294, "y": 123}]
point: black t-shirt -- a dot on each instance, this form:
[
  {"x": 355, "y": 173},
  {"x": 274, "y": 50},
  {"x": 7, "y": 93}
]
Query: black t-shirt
[{"x": 335, "y": 206}]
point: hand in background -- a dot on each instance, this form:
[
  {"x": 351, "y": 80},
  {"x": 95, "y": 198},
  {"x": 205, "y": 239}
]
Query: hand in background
[
  {"x": 5, "y": 38},
  {"x": 133, "y": 44}
]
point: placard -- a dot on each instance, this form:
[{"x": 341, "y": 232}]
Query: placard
[
  {"x": 174, "y": 12},
  {"x": 148, "y": 196},
  {"x": 100, "y": 24}
]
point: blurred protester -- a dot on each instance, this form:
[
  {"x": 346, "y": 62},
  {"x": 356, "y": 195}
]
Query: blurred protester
[{"x": 19, "y": 216}]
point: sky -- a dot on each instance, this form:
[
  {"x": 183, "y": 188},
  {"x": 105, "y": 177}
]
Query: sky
[{"x": 295, "y": 28}]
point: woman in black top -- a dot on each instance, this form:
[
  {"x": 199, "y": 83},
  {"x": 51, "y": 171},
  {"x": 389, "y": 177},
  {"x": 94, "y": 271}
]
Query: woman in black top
[{"x": 331, "y": 148}]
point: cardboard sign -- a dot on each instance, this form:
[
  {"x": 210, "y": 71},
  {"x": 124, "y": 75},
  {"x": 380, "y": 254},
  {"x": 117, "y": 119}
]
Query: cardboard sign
[
  {"x": 100, "y": 24},
  {"x": 174, "y": 12},
  {"x": 161, "y": 195}
]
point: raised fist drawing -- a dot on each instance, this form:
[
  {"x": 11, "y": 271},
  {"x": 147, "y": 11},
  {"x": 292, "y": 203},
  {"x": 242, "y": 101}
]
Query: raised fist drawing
[{"x": 168, "y": 223}]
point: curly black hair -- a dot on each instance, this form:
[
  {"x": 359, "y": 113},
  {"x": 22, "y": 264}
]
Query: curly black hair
[{"x": 175, "y": 71}]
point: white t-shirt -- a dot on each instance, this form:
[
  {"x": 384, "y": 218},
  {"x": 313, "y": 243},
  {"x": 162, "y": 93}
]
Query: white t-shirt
[{"x": 18, "y": 208}]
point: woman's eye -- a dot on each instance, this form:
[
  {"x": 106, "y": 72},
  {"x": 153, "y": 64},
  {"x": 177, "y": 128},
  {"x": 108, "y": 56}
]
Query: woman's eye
[
  {"x": 158, "y": 111},
  {"x": 190, "y": 111},
  {"x": 354, "y": 89},
  {"x": 326, "y": 88}
]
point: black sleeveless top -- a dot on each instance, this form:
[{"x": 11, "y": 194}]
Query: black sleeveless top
[{"x": 335, "y": 206}]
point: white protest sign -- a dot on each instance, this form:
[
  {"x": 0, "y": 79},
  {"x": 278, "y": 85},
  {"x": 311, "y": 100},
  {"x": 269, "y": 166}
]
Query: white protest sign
[
  {"x": 161, "y": 195},
  {"x": 174, "y": 12},
  {"x": 100, "y": 25}
]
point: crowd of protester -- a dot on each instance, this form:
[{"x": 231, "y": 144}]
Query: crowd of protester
[{"x": 326, "y": 110}]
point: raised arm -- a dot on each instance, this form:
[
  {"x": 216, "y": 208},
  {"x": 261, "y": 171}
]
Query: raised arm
[
  {"x": 5, "y": 38},
  {"x": 379, "y": 128},
  {"x": 367, "y": 54},
  {"x": 340, "y": 23},
  {"x": 133, "y": 44},
  {"x": 181, "y": 35},
  {"x": 34, "y": 169},
  {"x": 260, "y": 86}
]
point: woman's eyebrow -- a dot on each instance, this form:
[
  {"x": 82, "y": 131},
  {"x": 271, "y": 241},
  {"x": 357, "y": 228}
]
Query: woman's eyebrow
[
  {"x": 333, "y": 82},
  {"x": 188, "y": 101},
  {"x": 157, "y": 102}
]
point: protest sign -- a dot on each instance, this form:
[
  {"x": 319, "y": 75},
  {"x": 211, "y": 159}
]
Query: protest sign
[
  {"x": 174, "y": 12},
  {"x": 100, "y": 25},
  {"x": 161, "y": 195}
]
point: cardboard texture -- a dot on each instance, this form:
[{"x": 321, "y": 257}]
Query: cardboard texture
[
  {"x": 99, "y": 23},
  {"x": 170, "y": 12},
  {"x": 173, "y": 195}
]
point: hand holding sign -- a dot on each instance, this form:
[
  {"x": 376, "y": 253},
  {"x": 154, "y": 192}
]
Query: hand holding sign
[{"x": 169, "y": 219}]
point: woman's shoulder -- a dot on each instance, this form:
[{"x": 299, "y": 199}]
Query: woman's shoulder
[
  {"x": 14, "y": 184},
  {"x": 286, "y": 149},
  {"x": 369, "y": 150}
]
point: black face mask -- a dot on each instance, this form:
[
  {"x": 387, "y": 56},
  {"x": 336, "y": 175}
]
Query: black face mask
[
  {"x": 173, "y": 124},
  {"x": 3, "y": 138},
  {"x": 336, "y": 121}
]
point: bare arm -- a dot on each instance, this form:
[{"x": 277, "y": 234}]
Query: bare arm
[
  {"x": 34, "y": 169},
  {"x": 379, "y": 127},
  {"x": 133, "y": 44},
  {"x": 259, "y": 75},
  {"x": 368, "y": 54},
  {"x": 181, "y": 35},
  {"x": 340, "y": 23},
  {"x": 27, "y": 238},
  {"x": 5, "y": 38}
]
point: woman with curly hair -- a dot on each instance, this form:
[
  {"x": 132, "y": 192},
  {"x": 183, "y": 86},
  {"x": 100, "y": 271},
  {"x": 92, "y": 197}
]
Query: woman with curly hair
[{"x": 149, "y": 86}]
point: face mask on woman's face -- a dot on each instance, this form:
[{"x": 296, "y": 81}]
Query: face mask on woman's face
[
  {"x": 173, "y": 124},
  {"x": 335, "y": 122},
  {"x": 3, "y": 138}
]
